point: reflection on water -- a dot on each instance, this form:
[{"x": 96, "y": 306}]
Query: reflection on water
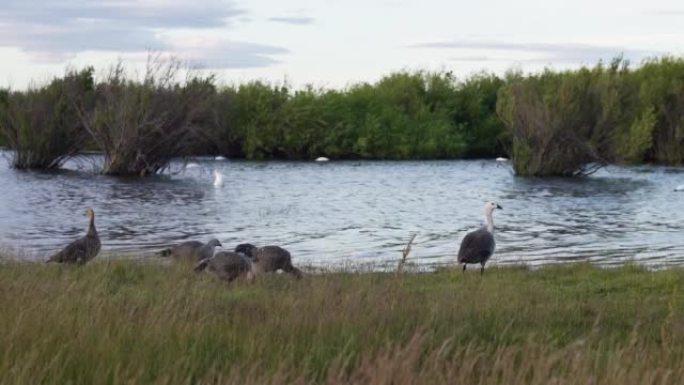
[{"x": 358, "y": 212}]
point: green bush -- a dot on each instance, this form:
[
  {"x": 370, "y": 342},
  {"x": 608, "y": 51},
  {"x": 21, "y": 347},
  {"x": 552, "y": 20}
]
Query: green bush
[
  {"x": 661, "y": 89},
  {"x": 633, "y": 144},
  {"x": 565, "y": 123},
  {"x": 41, "y": 125},
  {"x": 551, "y": 123}
]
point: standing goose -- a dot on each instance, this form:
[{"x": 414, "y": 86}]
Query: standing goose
[
  {"x": 269, "y": 259},
  {"x": 478, "y": 245},
  {"x": 227, "y": 265},
  {"x": 83, "y": 249},
  {"x": 191, "y": 251}
]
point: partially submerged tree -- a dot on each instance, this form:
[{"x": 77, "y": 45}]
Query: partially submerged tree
[
  {"x": 661, "y": 95},
  {"x": 41, "y": 126},
  {"x": 141, "y": 126},
  {"x": 564, "y": 123}
]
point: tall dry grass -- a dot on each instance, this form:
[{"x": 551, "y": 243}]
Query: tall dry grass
[{"x": 128, "y": 322}]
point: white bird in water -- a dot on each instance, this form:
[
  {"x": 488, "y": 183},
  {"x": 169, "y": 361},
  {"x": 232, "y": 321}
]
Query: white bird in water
[
  {"x": 501, "y": 159},
  {"x": 218, "y": 179},
  {"x": 322, "y": 159},
  {"x": 679, "y": 188},
  {"x": 220, "y": 158}
]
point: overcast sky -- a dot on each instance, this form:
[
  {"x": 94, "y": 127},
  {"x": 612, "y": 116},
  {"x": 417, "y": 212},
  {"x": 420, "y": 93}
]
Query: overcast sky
[{"x": 332, "y": 43}]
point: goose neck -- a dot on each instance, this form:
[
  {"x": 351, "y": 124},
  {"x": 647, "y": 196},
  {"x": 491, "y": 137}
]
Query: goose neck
[
  {"x": 489, "y": 222},
  {"x": 91, "y": 227}
]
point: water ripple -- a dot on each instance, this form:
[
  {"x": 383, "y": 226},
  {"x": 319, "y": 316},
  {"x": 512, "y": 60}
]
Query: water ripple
[{"x": 342, "y": 212}]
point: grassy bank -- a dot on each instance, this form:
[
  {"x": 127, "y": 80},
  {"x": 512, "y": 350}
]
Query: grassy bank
[{"x": 126, "y": 322}]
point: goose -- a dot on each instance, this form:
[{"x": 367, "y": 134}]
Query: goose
[
  {"x": 83, "y": 249},
  {"x": 191, "y": 250},
  {"x": 227, "y": 265},
  {"x": 501, "y": 159},
  {"x": 322, "y": 159},
  {"x": 478, "y": 246},
  {"x": 269, "y": 259}
]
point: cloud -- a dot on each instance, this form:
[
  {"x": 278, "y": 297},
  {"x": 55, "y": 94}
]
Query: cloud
[
  {"x": 665, "y": 12},
  {"x": 56, "y": 30},
  {"x": 220, "y": 53},
  {"x": 570, "y": 53},
  {"x": 297, "y": 20},
  {"x": 473, "y": 58},
  {"x": 147, "y": 13}
]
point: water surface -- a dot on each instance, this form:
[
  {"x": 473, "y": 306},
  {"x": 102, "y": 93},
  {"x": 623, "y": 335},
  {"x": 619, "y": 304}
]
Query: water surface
[{"x": 354, "y": 212}]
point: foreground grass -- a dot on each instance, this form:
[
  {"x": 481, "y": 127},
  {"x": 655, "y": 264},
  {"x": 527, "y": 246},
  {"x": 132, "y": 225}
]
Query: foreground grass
[{"x": 127, "y": 322}]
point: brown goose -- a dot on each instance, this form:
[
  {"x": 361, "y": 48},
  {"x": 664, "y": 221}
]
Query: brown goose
[
  {"x": 227, "y": 265},
  {"x": 269, "y": 259},
  {"x": 83, "y": 249},
  {"x": 191, "y": 251},
  {"x": 478, "y": 246}
]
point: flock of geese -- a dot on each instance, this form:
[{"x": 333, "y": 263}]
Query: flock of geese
[{"x": 248, "y": 261}]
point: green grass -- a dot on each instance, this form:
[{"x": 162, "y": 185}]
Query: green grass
[{"x": 128, "y": 322}]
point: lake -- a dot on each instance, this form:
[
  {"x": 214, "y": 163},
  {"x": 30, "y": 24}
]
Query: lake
[{"x": 353, "y": 212}]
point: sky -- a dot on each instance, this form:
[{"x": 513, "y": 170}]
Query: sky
[{"x": 331, "y": 43}]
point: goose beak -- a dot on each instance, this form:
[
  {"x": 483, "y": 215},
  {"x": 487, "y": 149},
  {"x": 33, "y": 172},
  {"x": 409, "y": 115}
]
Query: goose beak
[{"x": 499, "y": 207}]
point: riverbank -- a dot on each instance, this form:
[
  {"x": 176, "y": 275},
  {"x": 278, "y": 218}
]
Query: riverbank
[{"x": 122, "y": 321}]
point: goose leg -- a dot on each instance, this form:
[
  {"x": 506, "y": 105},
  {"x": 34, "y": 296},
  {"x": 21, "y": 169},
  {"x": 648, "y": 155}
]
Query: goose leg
[
  {"x": 250, "y": 276},
  {"x": 288, "y": 268},
  {"x": 464, "y": 267},
  {"x": 482, "y": 269},
  {"x": 201, "y": 265}
]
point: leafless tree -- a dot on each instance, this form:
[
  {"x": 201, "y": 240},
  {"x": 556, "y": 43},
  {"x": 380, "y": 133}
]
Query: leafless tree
[{"x": 141, "y": 125}]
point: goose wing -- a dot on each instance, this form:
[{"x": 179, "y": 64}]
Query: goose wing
[
  {"x": 477, "y": 246},
  {"x": 72, "y": 253}
]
